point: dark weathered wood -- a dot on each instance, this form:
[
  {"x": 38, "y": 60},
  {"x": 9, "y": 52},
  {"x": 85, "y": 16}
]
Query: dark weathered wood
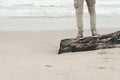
[{"x": 111, "y": 40}]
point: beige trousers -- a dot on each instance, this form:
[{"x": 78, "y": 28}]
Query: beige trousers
[{"x": 79, "y": 13}]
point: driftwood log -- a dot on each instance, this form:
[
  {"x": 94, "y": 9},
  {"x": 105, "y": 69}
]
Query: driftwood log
[{"x": 111, "y": 40}]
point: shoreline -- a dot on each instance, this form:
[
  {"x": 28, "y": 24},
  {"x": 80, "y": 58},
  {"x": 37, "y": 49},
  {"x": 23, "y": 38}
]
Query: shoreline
[
  {"x": 66, "y": 16},
  {"x": 50, "y": 23}
]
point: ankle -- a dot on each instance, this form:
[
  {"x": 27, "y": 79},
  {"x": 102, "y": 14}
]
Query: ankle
[
  {"x": 80, "y": 35},
  {"x": 94, "y": 33}
]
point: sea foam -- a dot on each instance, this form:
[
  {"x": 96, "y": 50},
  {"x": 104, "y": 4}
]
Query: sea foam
[{"x": 53, "y": 7}]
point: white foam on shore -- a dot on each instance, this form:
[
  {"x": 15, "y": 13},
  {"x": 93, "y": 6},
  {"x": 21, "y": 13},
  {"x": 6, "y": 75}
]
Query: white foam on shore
[{"x": 54, "y": 8}]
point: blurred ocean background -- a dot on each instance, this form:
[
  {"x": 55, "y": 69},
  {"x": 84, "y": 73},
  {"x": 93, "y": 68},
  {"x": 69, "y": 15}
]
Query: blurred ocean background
[{"x": 53, "y": 8}]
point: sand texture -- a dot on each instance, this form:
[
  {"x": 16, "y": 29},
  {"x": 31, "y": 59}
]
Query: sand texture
[{"x": 32, "y": 55}]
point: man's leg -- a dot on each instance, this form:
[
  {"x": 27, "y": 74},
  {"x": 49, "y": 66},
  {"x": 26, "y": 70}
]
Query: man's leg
[
  {"x": 91, "y": 9},
  {"x": 79, "y": 15}
]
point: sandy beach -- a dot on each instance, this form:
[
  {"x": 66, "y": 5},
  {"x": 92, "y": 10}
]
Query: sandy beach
[{"x": 31, "y": 53}]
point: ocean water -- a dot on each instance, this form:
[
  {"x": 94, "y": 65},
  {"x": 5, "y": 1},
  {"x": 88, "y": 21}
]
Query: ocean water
[{"x": 53, "y": 8}]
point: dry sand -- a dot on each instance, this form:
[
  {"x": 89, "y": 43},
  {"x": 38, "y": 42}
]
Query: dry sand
[
  {"x": 32, "y": 55},
  {"x": 26, "y": 53}
]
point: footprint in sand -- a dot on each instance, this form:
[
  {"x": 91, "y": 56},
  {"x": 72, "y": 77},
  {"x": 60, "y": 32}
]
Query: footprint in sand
[
  {"x": 48, "y": 65},
  {"x": 101, "y": 67}
]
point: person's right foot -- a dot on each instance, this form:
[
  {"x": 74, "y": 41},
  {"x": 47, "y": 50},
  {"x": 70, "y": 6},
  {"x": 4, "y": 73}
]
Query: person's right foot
[
  {"x": 79, "y": 36},
  {"x": 94, "y": 33}
]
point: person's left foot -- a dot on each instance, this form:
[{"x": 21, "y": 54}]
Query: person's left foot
[
  {"x": 95, "y": 34},
  {"x": 79, "y": 36}
]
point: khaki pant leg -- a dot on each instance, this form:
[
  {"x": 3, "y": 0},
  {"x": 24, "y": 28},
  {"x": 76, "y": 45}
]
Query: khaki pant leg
[
  {"x": 79, "y": 14},
  {"x": 91, "y": 9}
]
